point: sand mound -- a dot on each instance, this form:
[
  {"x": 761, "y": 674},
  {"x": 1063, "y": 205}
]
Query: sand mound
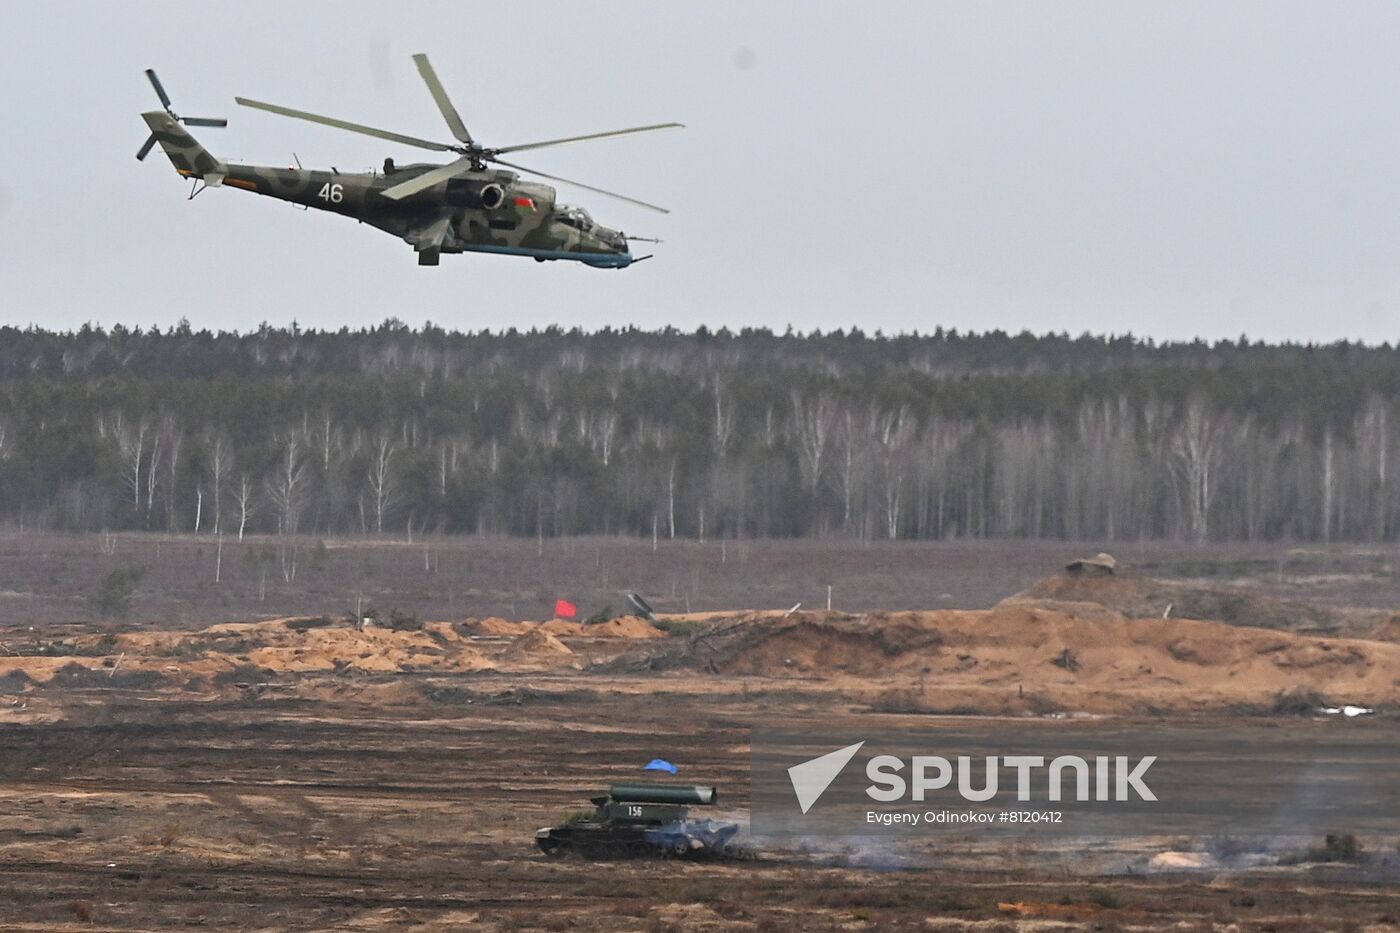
[
  {"x": 270, "y": 648},
  {"x": 536, "y": 643},
  {"x": 18, "y": 671},
  {"x": 539, "y": 649},
  {"x": 262, "y": 651},
  {"x": 807, "y": 648},
  {"x": 1072, "y": 642},
  {"x": 622, "y": 627},
  {"x": 373, "y": 649},
  {"x": 562, "y": 627},
  {"x": 1387, "y": 630},
  {"x": 496, "y": 626},
  {"x": 1148, "y": 598},
  {"x": 625, "y": 627},
  {"x": 1019, "y": 656}
]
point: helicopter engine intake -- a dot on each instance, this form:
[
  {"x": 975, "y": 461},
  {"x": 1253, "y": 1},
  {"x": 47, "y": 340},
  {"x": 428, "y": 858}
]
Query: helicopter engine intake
[
  {"x": 491, "y": 196},
  {"x": 462, "y": 192}
]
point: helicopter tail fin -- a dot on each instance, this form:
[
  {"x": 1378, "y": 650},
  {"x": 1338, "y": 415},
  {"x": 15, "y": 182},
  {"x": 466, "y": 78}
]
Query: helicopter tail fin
[{"x": 186, "y": 154}]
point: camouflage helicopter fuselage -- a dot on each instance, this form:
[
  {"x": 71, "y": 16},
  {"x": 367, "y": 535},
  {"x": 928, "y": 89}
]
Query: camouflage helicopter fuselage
[{"x": 485, "y": 211}]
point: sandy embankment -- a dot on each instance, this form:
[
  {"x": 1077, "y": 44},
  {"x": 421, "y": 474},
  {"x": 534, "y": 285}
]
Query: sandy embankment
[{"x": 1068, "y": 644}]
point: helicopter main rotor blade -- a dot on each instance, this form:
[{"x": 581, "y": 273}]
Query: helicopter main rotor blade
[
  {"x": 579, "y": 184},
  {"x": 427, "y": 179},
  {"x": 204, "y": 121},
  {"x": 160, "y": 91},
  {"x": 578, "y": 139},
  {"x": 449, "y": 112},
  {"x": 345, "y": 125}
]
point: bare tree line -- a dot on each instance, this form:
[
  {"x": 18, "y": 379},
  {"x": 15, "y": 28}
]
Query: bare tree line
[
  {"x": 564, "y": 434},
  {"x": 812, "y": 465}
]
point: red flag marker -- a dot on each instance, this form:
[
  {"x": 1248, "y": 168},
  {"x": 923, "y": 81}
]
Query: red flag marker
[{"x": 565, "y": 609}]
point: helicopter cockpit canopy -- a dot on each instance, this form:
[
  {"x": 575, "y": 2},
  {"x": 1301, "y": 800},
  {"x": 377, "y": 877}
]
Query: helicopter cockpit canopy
[{"x": 575, "y": 217}]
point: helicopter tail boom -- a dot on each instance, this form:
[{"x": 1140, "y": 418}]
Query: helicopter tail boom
[{"x": 186, "y": 154}]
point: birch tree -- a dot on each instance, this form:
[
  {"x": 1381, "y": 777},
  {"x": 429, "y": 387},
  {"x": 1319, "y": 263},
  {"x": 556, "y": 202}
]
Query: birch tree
[
  {"x": 813, "y": 419},
  {"x": 218, "y": 464},
  {"x": 1373, "y": 430},
  {"x": 131, "y": 441},
  {"x": 853, "y": 445},
  {"x": 895, "y": 430},
  {"x": 1195, "y": 448},
  {"x": 286, "y": 488},
  {"x": 381, "y": 480},
  {"x": 243, "y": 498}
]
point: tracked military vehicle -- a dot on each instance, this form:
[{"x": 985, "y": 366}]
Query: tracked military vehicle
[{"x": 646, "y": 821}]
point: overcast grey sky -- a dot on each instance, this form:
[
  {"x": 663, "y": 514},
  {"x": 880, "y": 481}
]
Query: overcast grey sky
[{"x": 1170, "y": 169}]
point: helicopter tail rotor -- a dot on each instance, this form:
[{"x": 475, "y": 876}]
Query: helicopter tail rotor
[
  {"x": 165, "y": 102},
  {"x": 184, "y": 151}
]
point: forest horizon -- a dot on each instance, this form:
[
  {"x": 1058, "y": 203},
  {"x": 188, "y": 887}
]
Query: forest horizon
[{"x": 703, "y": 434}]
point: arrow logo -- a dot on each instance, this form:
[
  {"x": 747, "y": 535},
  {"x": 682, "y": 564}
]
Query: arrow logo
[{"x": 811, "y": 778}]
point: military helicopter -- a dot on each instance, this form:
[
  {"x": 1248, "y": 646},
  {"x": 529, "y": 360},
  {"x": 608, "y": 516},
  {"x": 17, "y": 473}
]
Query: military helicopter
[{"x": 463, "y": 206}]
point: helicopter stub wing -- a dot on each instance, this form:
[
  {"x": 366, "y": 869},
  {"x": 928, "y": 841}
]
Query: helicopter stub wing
[{"x": 428, "y": 241}]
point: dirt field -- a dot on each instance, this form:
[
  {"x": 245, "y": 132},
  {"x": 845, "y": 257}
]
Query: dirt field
[
  {"x": 306, "y": 773},
  {"x": 288, "y": 814},
  {"x": 50, "y": 580}
]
